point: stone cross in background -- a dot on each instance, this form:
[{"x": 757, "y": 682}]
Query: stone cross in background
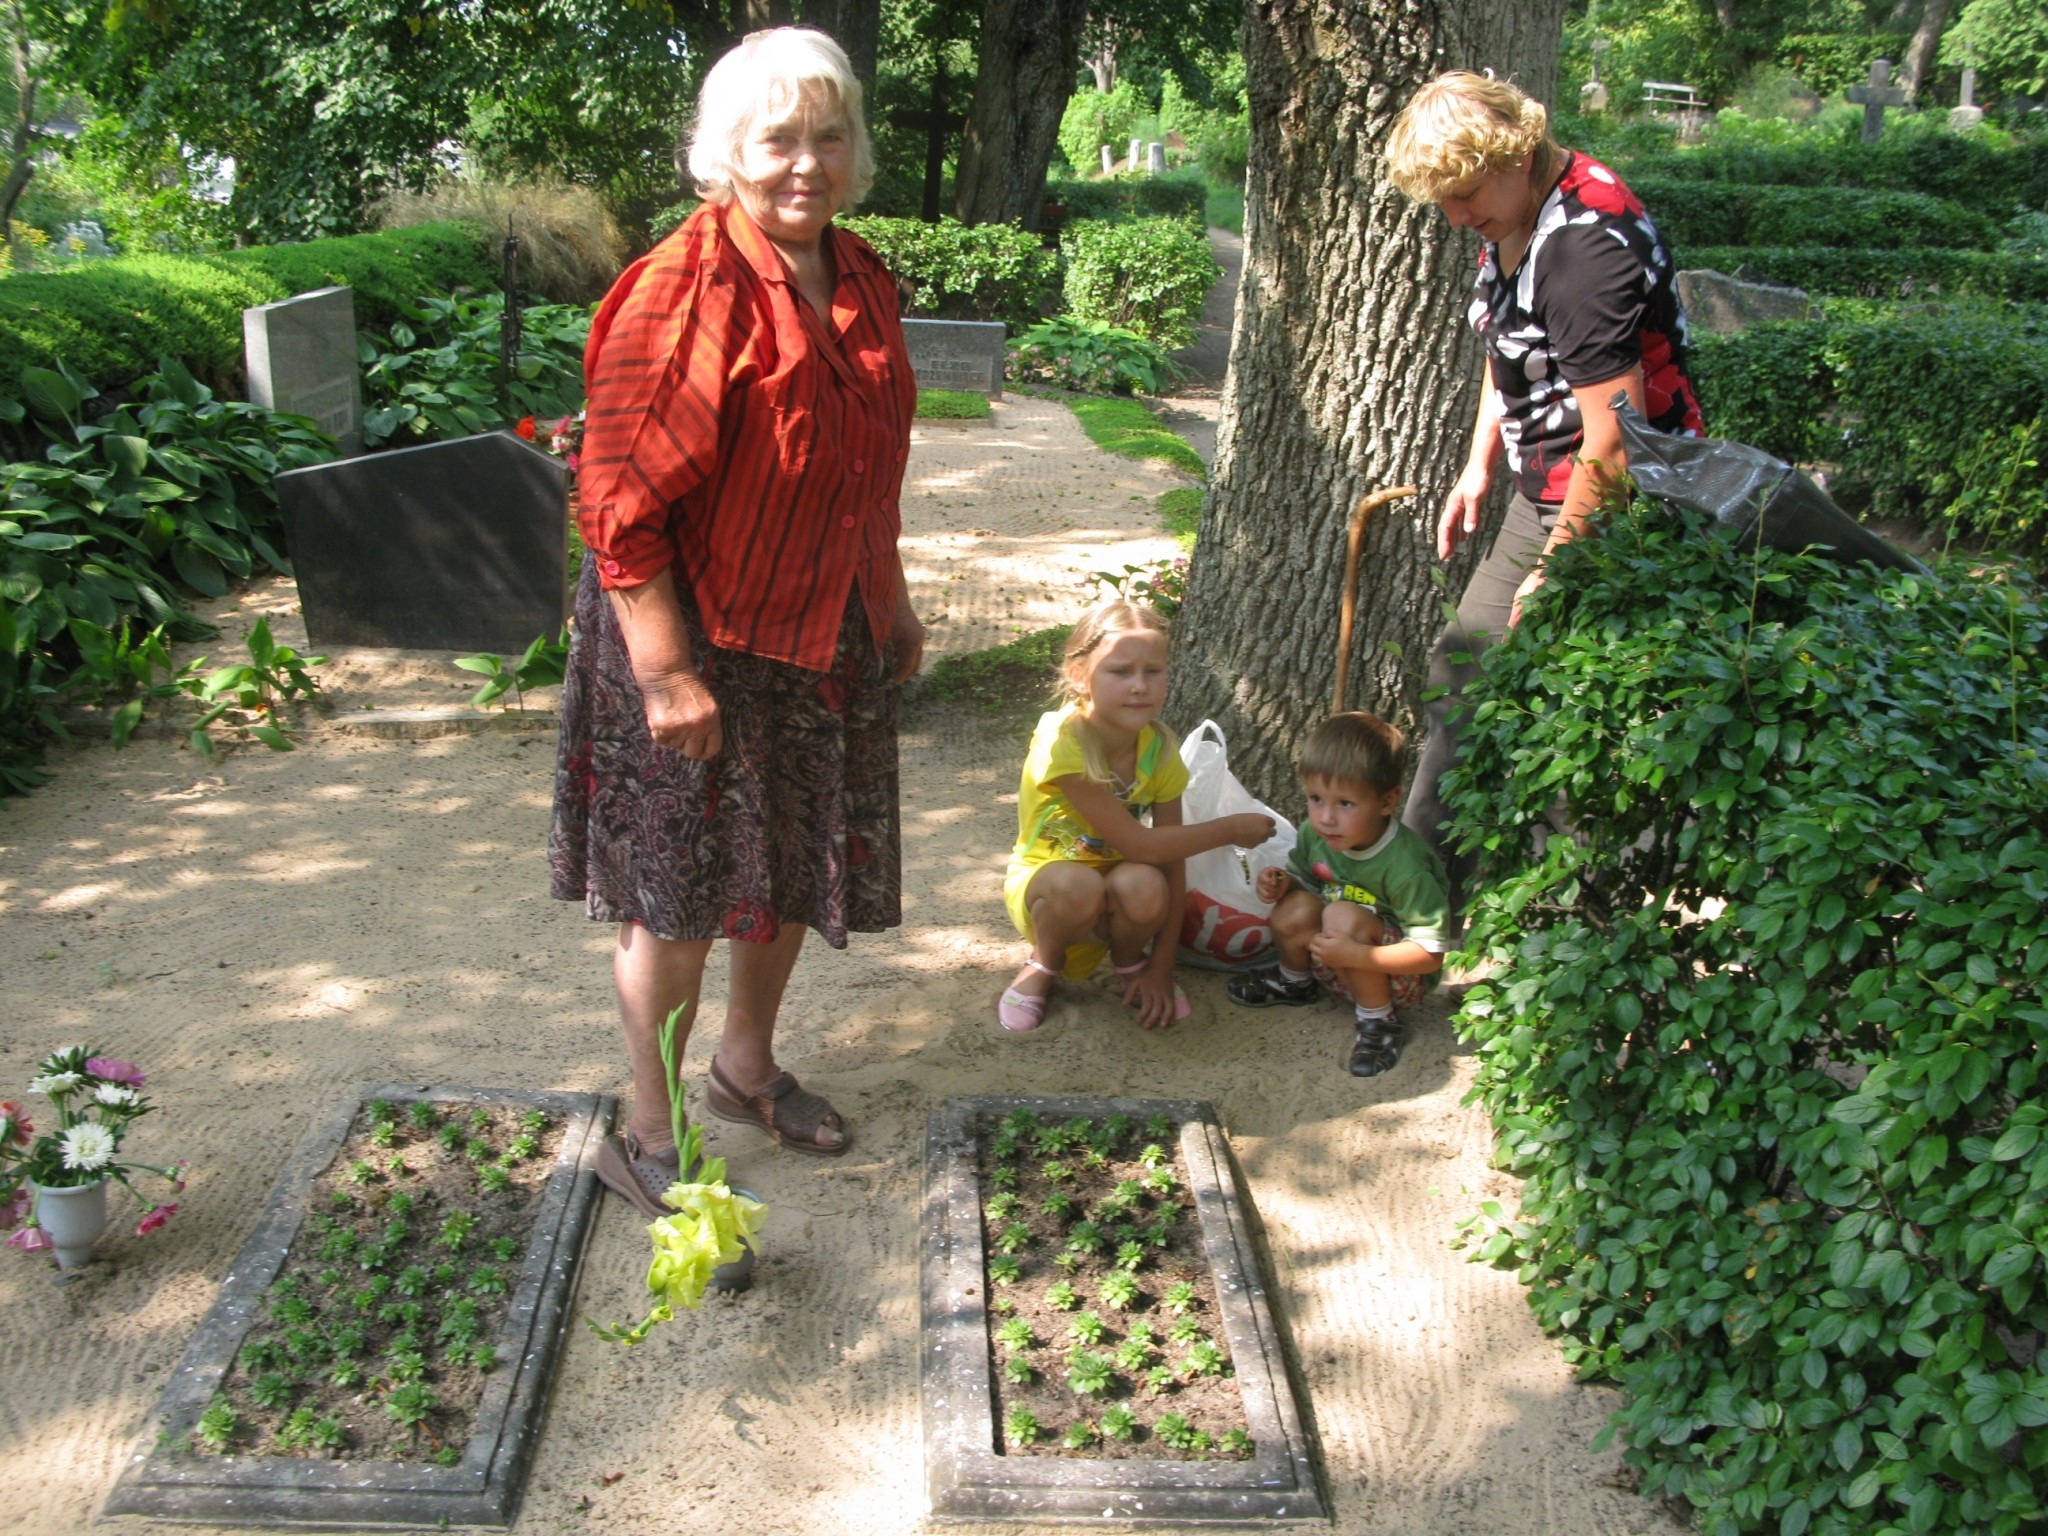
[
  {"x": 301, "y": 358},
  {"x": 1875, "y": 96}
]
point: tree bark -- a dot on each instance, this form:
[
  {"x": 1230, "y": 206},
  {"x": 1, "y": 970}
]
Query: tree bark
[
  {"x": 1030, "y": 51},
  {"x": 1920, "y": 52},
  {"x": 856, "y": 25},
  {"x": 22, "y": 138},
  {"x": 1352, "y": 368}
]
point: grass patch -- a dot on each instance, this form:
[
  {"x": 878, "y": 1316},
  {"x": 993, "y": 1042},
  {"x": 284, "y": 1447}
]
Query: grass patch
[
  {"x": 1018, "y": 675},
  {"x": 1179, "y": 511},
  {"x": 1223, "y": 208},
  {"x": 1128, "y": 427},
  {"x": 952, "y": 405}
]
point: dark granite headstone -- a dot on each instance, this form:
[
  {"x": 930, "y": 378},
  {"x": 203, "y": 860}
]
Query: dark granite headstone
[
  {"x": 1718, "y": 305},
  {"x": 957, "y": 354},
  {"x": 301, "y": 357},
  {"x": 451, "y": 546}
]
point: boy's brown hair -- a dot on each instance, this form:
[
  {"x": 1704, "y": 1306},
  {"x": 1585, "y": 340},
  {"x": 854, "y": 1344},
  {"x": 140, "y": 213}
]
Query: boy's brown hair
[{"x": 1355, "y": 748}]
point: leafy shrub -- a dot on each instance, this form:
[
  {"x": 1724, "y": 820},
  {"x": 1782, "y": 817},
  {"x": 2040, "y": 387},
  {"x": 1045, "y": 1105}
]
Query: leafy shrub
[
  {"x": 1764, "y": 1035},
  {"x": 1147, "y": 275},
  {"x": 965, "y": 271},
  {"x": 1697, "y": 213},
  {"x": 1177, "y": 195},
  {"x": 1831, "y": 62},
  {"x": 111, "y": 321},
  {"x": 438, "y": 375},
  {"x": 1094, "y": 118},
  {"x": 1092, "y": 356},
  {"x": 1882, "y": 274}
]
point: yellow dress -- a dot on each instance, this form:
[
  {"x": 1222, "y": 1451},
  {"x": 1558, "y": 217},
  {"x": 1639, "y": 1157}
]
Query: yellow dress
[{"x": 1049, "y": 829}]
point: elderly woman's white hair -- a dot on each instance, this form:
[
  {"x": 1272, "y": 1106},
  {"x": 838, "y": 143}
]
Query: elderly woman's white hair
[{"x": 764, "y": 80}]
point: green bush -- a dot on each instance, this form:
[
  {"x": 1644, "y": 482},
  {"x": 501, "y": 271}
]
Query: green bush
[
  {"x": 1176, "y": 195},
  {"x": 1898, "y": 401},
  {"x": 1094, "y": 118},
  {"x": 435, "y": 375},
  {"x": 966, "y": 271},
  {"x": 1764, "y": 1035},
  {"x": 1148, "y": 275},
  {"x": 110, "y": 321},
  {"x": 1882, "y": 274},
  {"x": 1828, "y": 63},
  {"x": 1699, "y": 213},
  {"x": 1091, "y": 356}
]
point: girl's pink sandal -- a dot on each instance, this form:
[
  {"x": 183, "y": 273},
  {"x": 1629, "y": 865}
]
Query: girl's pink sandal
[
  {"x": 1018, "y": 1011},
  {"x": 1181, "y": 1006}
]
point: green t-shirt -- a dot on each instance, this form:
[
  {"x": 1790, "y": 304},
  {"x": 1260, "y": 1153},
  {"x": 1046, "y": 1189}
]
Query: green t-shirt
[{"x": 1399, "y": 876}]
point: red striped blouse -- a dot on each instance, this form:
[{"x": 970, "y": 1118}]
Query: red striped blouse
[{"x": 734, "y": 434}]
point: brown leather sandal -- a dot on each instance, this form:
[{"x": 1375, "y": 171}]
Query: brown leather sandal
[
  {"x": 784, "y": 1109},
  {"x": 643, "y": 1177}
]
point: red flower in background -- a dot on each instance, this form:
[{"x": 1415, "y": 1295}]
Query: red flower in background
[
  {"x": 155, "y": 1217},
  {"x": 525, "y": 428},
  {"x": 15, "y": 1128}
]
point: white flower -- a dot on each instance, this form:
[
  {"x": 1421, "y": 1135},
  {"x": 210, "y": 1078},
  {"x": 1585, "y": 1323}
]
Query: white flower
[
  {"x": 88, "y": 1146},
  {"x": 54, "y": 1083},
  {"x": 115, "y": 1095}
]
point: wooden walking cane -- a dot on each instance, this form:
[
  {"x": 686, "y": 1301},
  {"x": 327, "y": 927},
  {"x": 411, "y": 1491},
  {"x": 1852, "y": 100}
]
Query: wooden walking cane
[{"x": 1360, "y": 516}]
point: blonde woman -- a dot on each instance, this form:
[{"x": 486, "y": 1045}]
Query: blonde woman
[
  {"x": 1575, "y": 304},
  {"x": 1097, "y": 869},
  {"x": 728, "y": 749}
]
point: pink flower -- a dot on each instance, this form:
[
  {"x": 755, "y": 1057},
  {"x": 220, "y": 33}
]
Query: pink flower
[
  {"x": 176, "y": 1174},
  {"x": 31, "y": 1240},
  {"x": 575, "y": 460},
  {"x": 15, "y": 1128},
  {"x": 155, "y": 1217},
  {"x": 109, "y": 1070}
]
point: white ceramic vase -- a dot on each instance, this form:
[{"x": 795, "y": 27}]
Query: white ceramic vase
[{"x": 74, "y": 1218}]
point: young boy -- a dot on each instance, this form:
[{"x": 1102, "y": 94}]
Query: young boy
[{"x": 1363, "y": 902}]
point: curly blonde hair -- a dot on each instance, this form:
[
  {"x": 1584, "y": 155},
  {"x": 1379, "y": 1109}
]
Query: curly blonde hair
[{"x": 1461, "y": 126}]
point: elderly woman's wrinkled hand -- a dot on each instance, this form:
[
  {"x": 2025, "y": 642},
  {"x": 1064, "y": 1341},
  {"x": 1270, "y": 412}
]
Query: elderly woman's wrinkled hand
[
  {"x": 681, "y": 713},
  {"x": 906, "y": 643}
]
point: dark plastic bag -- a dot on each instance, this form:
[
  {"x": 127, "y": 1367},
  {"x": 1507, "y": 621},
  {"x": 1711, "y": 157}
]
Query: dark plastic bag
[{"x": 1748, "y": 493}]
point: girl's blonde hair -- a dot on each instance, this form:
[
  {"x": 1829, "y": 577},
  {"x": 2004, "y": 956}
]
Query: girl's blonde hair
[
  {"x": 765, "y": 79},
  {"x": 1461, "y": 126},
  {"x": 1111, "y": 617}
]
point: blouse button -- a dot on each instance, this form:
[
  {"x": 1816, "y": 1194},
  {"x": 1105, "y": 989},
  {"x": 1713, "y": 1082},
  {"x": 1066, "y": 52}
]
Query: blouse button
[
  {"x": 610, "y": 567},
  {"x": 860, "y": 466},
  {"x": 846, "y": 522}
]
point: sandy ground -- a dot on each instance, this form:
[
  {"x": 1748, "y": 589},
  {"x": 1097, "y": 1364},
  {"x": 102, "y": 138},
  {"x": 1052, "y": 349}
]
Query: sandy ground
[{"x": 266, "y": 932}]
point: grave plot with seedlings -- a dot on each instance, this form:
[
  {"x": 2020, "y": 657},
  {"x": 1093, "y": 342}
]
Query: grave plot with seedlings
[
  {"x": 382, "y": 1350},
  {"x": 1097, "y": 1339},
  {"x": 1101, "y": 1309}
]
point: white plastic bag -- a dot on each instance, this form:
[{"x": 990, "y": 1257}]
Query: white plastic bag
[{"x": 1223, "y": 926}]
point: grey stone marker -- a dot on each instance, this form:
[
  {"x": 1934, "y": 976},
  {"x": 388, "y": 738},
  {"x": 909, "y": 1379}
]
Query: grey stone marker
[
  {"x": 957, "y": 354},
  {"x": 1155, "y": 159},
  {"x": 1720, "y": 305},
  {"x": 1136, "y": 155},
  {"x": 167, "y": 1480},
  {"x": 301, "y": 357},
  {"x": 968, "y": 1478},
  {"x": 450, "y": 546},
  {"x": 1108, "y": 161},
  {"x": 1874, "y": 96},
  {"x": 1966, "y": 113}
]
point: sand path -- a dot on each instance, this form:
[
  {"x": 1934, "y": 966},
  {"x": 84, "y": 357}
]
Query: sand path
[{"x": 265, "y": 932}]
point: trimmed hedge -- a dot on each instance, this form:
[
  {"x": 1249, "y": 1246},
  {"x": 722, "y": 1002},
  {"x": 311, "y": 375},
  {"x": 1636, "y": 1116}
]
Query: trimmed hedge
[
  {"x": 1698, "y": 213},
  {"x": 1900, "y": 402},
  {"x": 1868, "y": 274},
  {"x": 966, "y": 271},
  {"x": 111, "y": 321},
  {"x": 1180, "y": 195},
  {"x": 1149, "y": 276}
]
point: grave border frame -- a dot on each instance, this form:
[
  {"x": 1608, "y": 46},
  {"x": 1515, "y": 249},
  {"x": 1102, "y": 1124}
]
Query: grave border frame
[
  {"x": 965, "y": 1477},
  {"x": 166, "y": 1482}
]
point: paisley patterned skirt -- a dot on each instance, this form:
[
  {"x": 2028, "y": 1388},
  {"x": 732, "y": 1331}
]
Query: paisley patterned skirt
[{"x": 796, "y": 821}]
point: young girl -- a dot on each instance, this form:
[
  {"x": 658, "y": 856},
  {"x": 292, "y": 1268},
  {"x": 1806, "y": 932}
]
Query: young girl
[{"x": 1097, "y": 867}]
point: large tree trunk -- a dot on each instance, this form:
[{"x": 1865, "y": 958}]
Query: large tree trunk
[
  {"x": 1351, "y": 369},
  {"x": 1920, "y": 52},
  {"x": 1030, "y": 51},
  {"x": 856, "y": 25},
  {"x": 22, "y": 137}
]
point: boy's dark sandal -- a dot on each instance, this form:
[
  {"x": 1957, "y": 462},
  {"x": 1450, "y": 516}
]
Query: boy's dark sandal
[
  {"x": 1376, "y": 1048},
  {"x": 1268, "y": 988}
]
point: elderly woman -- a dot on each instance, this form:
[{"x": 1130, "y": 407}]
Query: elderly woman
[
  {"x": 1575, "y": 304},
  {"x": 728, "y": 747}
]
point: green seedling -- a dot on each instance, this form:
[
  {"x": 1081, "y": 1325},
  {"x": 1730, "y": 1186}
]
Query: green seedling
[
  {"x": 1067, "y": 1261},
  {"x": 1133, "y": 1355},
  {"x": 1015, "y": 1334},
  {"x": 1087, "y": 1329},
  {"x": 1235, "y": 1442},
  {"x": 1079, "y": 1436},
  {"x": 494, "y": 1179},
  {"x": 1153, "y": 1156},
  {"x": 338, "y": 1245},
  {"x": 1004, "y": 1147},
  {"x": 1002, "y": 1207},
  {"x": 1159, "y": 1379},
  {"x": 346, "y": 1375},
  {"x": 347, "y": 1341},
  {"x": 445, "y": 1275},
  {"x": 1058, "y": 1205},
  {"x": 218, "y": 1426},
  {"x": 477, "y": 1150},
  {"x": 1160, "y": 1181},
  {"x": 1020, "y": 1122},
  {"x": 520, "y": 1148},
  {"x": 260, "y": 1356},
  {"x": 482, "y": 1356},
  {"x": 1185, "y": 1330},
  {"x": 486, "y": 1281},
  {"x": 449, "y": 1135},
  {"x": 1116, "y": 1128},
  {"x": 1022, "y": 1426},
  {"x": 247, "y": 694},
  {"x": 396, "y": 1231},
  {"x": 1061, "y": 1296},
  {"x": 456, "y": 1229},
  {"x": 1158, "y": 1127},
  {"x": 544, "y": 664},
  {"x": 380, "y": 1111},
  {"x": 1124, "y": 1196},
  {"x": 1141, "y": 1331},
  {"x": 325, "y": 1435},
  {"x": 384, "y": 1136},
  {"x": 272, "y": 1390},
  {"x": 1093, "y": 1159},
  {"x": 422, "y": 1115},
  {"x": 1091, "y": 1375},
  {"x": 1004, "y": 1270},
  {"x": 460, "y": 1323},
  {"x": 1179, "y": 1298},
  {"x": 1079, "y": 1130},
  {"x": 1050, "y": 1141},
  {"x": 409, "y": 1405},
  {"x": 1014, "y": 1238},
  {"x": 1003, "y": 1178},
  {"x": 1019, "y": 1371},
  {"x": 1056, "y": 1173},
  {"x": 405, "y": 1365},
  {"x": 305, "y": 1347},
  {"x": 1085, "y": 1238},
  {"x": 1129, "y": 1255},
  {"x": 397, "y": 1167},
  {"x": 292, "y": 1433},
  {"x": 330, "y": 1277},
  {"x": 1173, "y": 1429},
  {"x": 533, "y": 1122},
  {"x": 504, "y": 1249},
  {"x": 479, "y": 1119},
  {"x": 1119, "y": 1289},
  {"x": 372, "y": 1257},
  {"x": 400, "y": 1204},
  {"x": 1002, "y": 1306},
  {"x": 362, "y": 1172},
  {"x": 414, "y": 1281},
  {"x": 448, "y": 1456},
  {"x": 1118, "y": 1422},
  {"x": 1158, "y": 1235},
  {"x": 1203, "y": 1359},
  {"x": 342, "y": 1200}
]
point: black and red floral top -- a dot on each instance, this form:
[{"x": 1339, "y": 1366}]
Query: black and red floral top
[{"x": 1594, "y": 296}]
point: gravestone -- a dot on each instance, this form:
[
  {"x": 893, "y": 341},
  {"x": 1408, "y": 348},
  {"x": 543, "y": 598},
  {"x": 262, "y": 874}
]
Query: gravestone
[
  {"x": 1966, "y": 114},
  {"x": 1137, "y": 153},
  {"x": 450, "y": 546},
  {"x": 301, "y": 356},
  {"x": 957, "y": 354},
  {"x": 1108, "y": 161},
  {"x": 1719, "y": 305},
  {"x": 1155, "y": 159},
  {"x": 1875, "y": 95}
]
